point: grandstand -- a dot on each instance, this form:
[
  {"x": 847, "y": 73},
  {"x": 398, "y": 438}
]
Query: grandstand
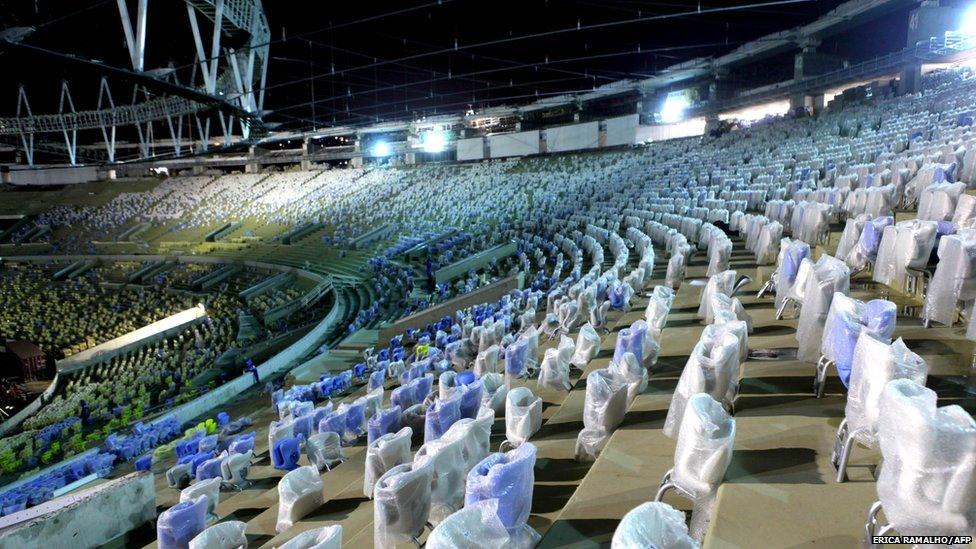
[{"x": 728, "y": 302}]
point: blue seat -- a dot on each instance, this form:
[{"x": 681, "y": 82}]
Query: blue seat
[
  {"x": 466, "y": 377},
  {"x": 386, "y": 420},
  {"x": 843, "y": 338},
  {"x": 242, "y": 444},
  {"x": 197, "y": 460},
  {"x": 303, "y": 425},
  {"x": 208, "y": 444},
  {"x": 179, "y": 524},
  {"x": 223, "y": 418},
  {"x": 440, "y": 416},
  {"x": 509, "y": 478},
  {"x": 359, "y": 370},
  {"x": 209, "y": 469},
  {"x": 286, "y": 453},
  {"x": 144, "y": 463},
  {"x": 795, "y": 254},
  {"x": 355, "y": 420},
  {"x": 376, "y": 379},
  {"x": 630, "y": 340},
  {"x": 516, "y": 356},
  {"x": 403, "y": 396},
  {"x": 880, "y": 317},
  {"x": 334, "y": 423},
  {"x": 471, "y": 399}
]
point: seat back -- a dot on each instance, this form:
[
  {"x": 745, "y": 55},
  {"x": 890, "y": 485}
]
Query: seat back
[
  {"x": 704, "y": 448},
  {"x": 401, "y": 504}
]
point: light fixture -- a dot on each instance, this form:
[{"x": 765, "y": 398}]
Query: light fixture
[
  {"x": 382, "y": 148},
  {"x": 674, "y": 107},
  {"x": 968, "y": 23},
  {"x": 433, "y": 141}
]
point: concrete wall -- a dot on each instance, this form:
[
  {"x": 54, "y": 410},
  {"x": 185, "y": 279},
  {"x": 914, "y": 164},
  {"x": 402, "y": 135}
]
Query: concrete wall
[
  {"x": 490, "y": 293},
  {"x": 53, "y": 176},
  {"x": 622, "y": 130},
  {"x": 471, "y": 149},
  {"x": 514, "y": 144},
  {"x": 573, "y": 137},
  {"x": 89, "y": 518},
  {"x": 135, "y": 339}
]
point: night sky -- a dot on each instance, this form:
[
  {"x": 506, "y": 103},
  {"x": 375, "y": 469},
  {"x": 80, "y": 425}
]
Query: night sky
[{"x": 375, "y": 61}]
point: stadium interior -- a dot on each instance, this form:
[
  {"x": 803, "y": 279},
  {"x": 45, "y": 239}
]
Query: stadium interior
[{"x": 566, "y": 274}]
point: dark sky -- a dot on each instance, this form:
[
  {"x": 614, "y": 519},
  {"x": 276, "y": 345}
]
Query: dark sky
[{"x": 371, "y": 63}]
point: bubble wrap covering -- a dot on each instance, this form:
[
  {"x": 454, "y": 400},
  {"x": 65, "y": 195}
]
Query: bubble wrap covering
[
  {"x": 954, "y": 279},
  {"x": 653, "y": 524},
  {"x": 487, "y": 361},
  {"x": 927, "y": 481},
  {"x": 827, "y": 277},
  {"x": 445, "y": 458},
  {"x": 440, "y": 416},
  {"x": 523, "y": 415},
  {"x": 587, "y": 346},
  {"x": 554, "y": 372},
  {"x": 401, "y": 505},
  {"x": 326, "y": 537},
  {"x": 509, "y": 478},
  {"x": 875, "y": 364},
  {"x": 223, "y": 535},
  {"x": 792, "y": 254},
  {"x": 721, "y": 283},
  {"x": 385, "y": 453},
  {"x": 905, "y": 245},
  {"x": 209, "y": 488},
  {"x": 495, "y": 392},
  {"x": 299, "y": 493},
  {"x": 179, "y": 524},
  {"x": 603, "y": 409},
  {"x": 712, "y": 368},
  {"x": 478, "y": 526},
  {"x": 324, "y": 450},
  {"x": 632, "y": 373},
  {"x": 702, "y": 455}
]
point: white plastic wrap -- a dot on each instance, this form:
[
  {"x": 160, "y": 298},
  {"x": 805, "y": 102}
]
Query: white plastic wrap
[
  {"x": 401, "y": 505},
  {"x": 385, "y": 453},
  {"x": 828, "y": 275},
  {"x": 965, "y": 215},
  {"x": 299, "y": 493},
  {"x": 928, "y": 481},
  {"x": 487, "y": 361},
  {"x": 324, "y": 450},
  {"x": 476, "y": 436},
  {"x": 719, "y": 254},
  {"x": 223, "y": 535},
  {"x": 587, "y": 346},
  {"x": 653, "y": 524},
  {"x": 235, "y": 468},
  {"x": 676, "y": 271},
  {"x": 445, "y": 459},
  {"x": 789, "y": 269},
  {"x": 209, "y": 488},
  {"x": 508, "y": 477},
  {"x": 712, "y": 368},
  {"x": 702, "y": 455},
  {"x": 554, "y": 371},
  {"x": 954, "y": 279},
  {"x": 875, "y": 364},
  {"x": 476, "y": 526},
  {"x": 732, "y": 306},
  {"x": 938, "y": 202},
  {"x": 632, "y": 373},
  {"x": 325, "y": 537},
  {"x": 721, "y": 283},
  {"x": 905, "y": 245},
  {"x": 523, "y": 415},
  {"x": 603, "y": 409},
  {"x": 495, "y": 392},
  {"x": 851, "y": 234}
]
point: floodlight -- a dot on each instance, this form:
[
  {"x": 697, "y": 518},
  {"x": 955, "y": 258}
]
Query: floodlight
[
  {"x": 433, "y": 141},
  {"x": 382, "y": 148},
  {"x": 673, "y": 109},
  {"x": 968, "y": 23}
]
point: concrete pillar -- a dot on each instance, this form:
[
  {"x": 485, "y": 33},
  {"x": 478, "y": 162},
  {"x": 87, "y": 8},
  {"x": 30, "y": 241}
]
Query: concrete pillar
[
  {"x": 306, "y": 161},
  {"x": 357, "y": 161},
  {"x": 252, "y": 166},
  {"x": 198, "y": 169},
  {"x": 818, "y": 104},
  {"x": 910, "y": 80}
]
